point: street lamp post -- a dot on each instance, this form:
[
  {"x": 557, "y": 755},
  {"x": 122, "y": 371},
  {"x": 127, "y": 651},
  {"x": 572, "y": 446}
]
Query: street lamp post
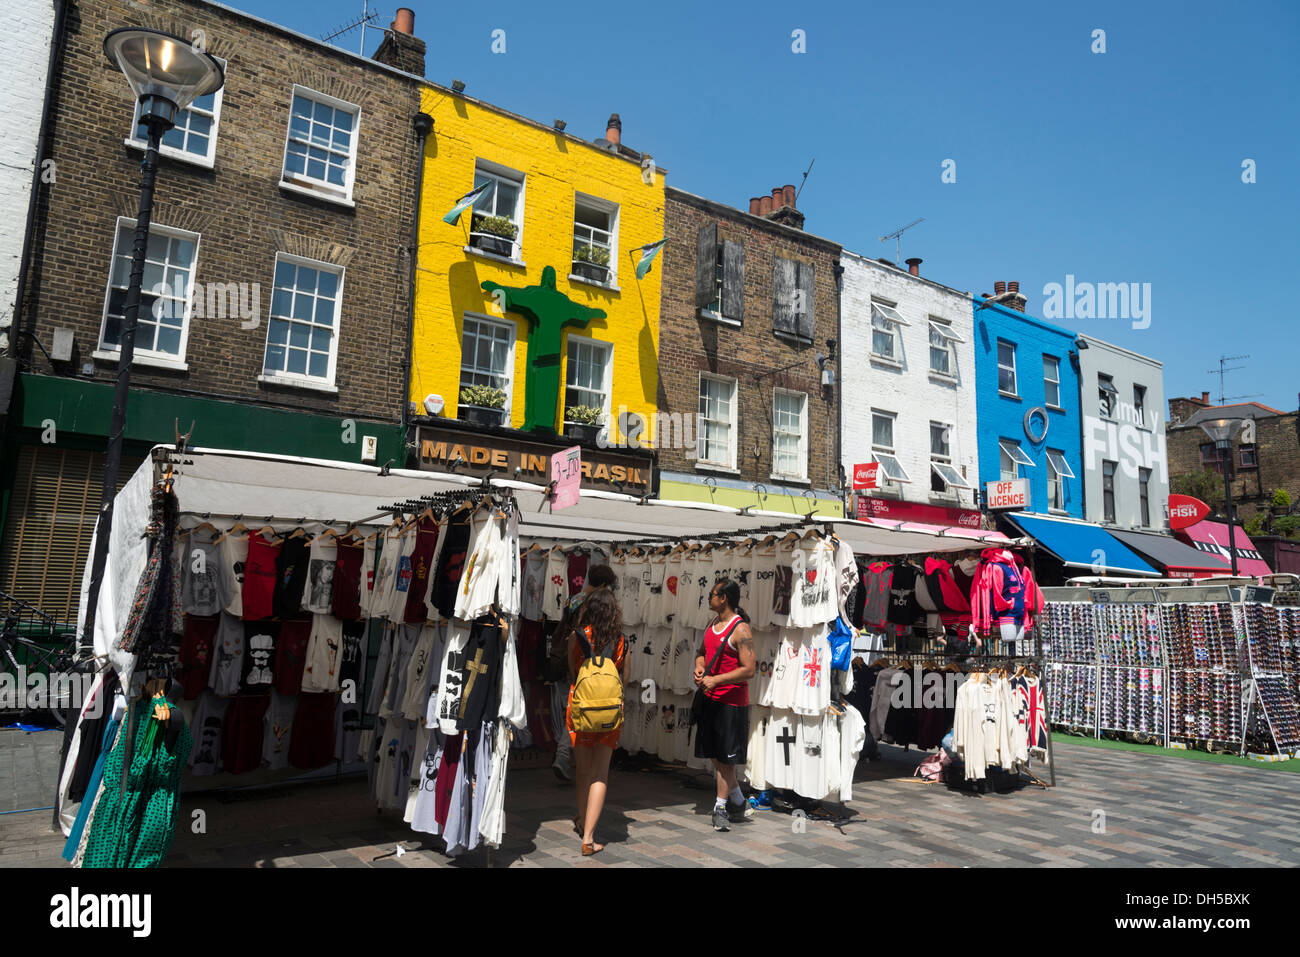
[
  {"x": 1222, "y": 431},
  {"x": 166, "y": 74}
]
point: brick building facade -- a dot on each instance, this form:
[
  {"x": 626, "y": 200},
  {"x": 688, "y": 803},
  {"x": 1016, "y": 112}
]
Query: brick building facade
[
  {"x": 1271, "y": 462},
  {"x": 750, "y": 302},
  {"x": 275, "y": 306}
]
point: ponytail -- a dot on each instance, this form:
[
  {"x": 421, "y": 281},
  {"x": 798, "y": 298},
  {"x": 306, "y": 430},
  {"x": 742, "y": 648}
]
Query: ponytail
[{"x": 731, "y": 591}]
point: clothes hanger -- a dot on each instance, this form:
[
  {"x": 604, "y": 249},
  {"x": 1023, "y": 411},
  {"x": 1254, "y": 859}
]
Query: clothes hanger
[
  {"x": 233, "y": 530},
  {"x": 267, "y": 528}
]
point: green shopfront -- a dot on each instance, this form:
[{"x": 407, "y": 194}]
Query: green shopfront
[{"x": 52, "y": 461}]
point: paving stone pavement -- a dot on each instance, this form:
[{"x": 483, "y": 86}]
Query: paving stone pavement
[{"x": 1109, "y": 809}]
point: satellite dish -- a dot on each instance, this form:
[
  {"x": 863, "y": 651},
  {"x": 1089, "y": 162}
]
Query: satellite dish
[{"x": 433, "y": 404}]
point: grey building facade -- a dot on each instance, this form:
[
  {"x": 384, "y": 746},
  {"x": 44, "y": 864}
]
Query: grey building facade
[{"x": 1125, "y": 465}]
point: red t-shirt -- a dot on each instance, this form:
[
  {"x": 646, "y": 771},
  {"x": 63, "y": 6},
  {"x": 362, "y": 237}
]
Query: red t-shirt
[
  {"x": 736, "y": 693},
  {"x": 196, "y": 654},
  {"x": 291, "y": 655},
  {"x": 259, "y": 577}
]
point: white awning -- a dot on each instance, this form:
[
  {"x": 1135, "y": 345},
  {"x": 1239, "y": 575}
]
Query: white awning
[
  {"x": 1016, "y": 454},
  {"x": 950, "y": 475},
  {"x": 1058, "y": 462},
  {"x": 945, "y": 330}
]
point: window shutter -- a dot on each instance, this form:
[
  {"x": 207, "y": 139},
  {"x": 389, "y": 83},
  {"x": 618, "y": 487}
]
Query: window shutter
[
  {"x": 784, "y": 284},
  {"x": 706, "y": 265},
  {"x": 51, "y": 518},
  {"x": 733, "y": 280},
  {"x": 805, "y": 318}
]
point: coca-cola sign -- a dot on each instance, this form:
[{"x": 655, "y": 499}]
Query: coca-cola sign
[
  {"x": 1185, "y": 510},
  {"x": 866, "y": 475}
]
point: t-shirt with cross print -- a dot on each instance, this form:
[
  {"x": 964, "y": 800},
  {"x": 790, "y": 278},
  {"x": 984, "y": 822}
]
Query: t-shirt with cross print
[{"x": 480, "y": 673}]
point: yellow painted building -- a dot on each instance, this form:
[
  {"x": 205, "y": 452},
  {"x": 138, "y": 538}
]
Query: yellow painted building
[{"x": 550, "y": 200}]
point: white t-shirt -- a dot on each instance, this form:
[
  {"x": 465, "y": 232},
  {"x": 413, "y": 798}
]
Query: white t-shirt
[
  {"x": 534, "y": 584},
  {"x": 683, "y": 737},
  {"x": 209, "y": 719},
  {"x": 766, "y": 643},
  {"x": 630, "y": 739},
  {"x": 664, "y": 673},
  {"x": 741, "y": 562},
  {"x": 782, "y": 748},
  {"x": 277, "y": 724},
  {"x": 667, "y": 749},
  {"x": 783, "y": 584},
  {"x": 630, "y": 586},
  {"x": 318, "y": 592},
  {"x": 648, "y": 740},
  {"x": 812, "y": 693},
  {"x": 816, "y": 592},
  {"x": 672, "y": 588},
  {"x": 234, "y": 553},
  {"x": 555, "y": 593},
  {"x": 688, "y": 591},
  {"x": 761, "y": 589},
  {"x": 785, "y": 671},
  {"x": 652, "y": 583},
  {"x": 846, "y": 576},
  {"x": 686, "y": 641},
  {"x": 369, "y": 549},
  {"x": 419, "y": 673},
  {"x": 484, "y": 568},
  {"x": 756, "y": 753},
  {"x": 385, "y": 578},
  {"x": 810, "y": 761},
  {"x": 404, "y": 573},
  {"x": 324, "y": 654},
  {"x": 227, "y": 656}
]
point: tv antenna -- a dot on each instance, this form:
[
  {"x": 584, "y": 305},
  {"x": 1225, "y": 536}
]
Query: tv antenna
[
  {"x": 367, "y": 18},
  {"x": 897, "y": 236},
  {"x": 1223, "y": 369},
  {"x": 804, "y": 181}
]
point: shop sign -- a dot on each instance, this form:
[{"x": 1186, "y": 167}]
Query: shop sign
[
  {"x": 1013, "y": 493},
  {"x": 869, "y": 507},
  {"x": 1184, "y": 511},
  {"x": 530, "y": 461},
  {"x": 866, "y": 475}
]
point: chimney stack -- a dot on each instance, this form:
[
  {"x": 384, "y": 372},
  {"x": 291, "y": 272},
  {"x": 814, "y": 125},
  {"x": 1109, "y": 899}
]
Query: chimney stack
[
  {"x": 780, "y": 207},
  {"x": 1014, "y": 299},
  {"x": 914, "y": 265},
  {"x": 614, "y": 130},
  {"x": 400, "y": 48},
  {"x": 1205, "y": 398}
]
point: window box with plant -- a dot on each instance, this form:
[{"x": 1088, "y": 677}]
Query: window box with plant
[
  {"x": 583, "y": 422},
  {"x": 493, "y": 234},
  {"x": 481, "y": 404},
  {"x": 591, "y": 262}
]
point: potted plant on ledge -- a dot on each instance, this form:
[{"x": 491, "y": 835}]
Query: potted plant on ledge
[
  {"x": 582, "y": 422},
  {"x": 481, "y": 404},
  {"x": 591, "y": 262},
  {"x": 493, "y": 234}
]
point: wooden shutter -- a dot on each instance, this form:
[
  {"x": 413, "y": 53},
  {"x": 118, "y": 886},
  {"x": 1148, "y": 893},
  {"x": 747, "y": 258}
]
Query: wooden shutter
[
  {"x": 706, "y": 266},
  {"x": 784, "y": 283},
  {"x": 51, "y": 518},
  {"x": 805, "y": 318},
  {"x": 733, "y": 280}
]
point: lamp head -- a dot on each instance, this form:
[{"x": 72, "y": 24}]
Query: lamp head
[
  {"x": 165, "y": 72},
  {"x": 1220, "y": 430}
]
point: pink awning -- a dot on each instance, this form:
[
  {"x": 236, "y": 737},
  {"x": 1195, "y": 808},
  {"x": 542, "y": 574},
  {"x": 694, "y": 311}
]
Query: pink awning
[{"x": 1212, "y": 537}]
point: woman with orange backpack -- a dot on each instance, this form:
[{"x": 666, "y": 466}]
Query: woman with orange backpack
[{"x": 595, "y": 712}]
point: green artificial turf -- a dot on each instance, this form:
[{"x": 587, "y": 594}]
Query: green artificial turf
[{"x": 1293, "y": 765}]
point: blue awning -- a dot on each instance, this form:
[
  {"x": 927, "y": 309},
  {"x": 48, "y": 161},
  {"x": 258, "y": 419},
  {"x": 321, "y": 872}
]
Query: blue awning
[{"x": 1081, "y": 545}]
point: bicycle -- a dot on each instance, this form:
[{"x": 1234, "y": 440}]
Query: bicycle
[{"x": 33, "y": 644}]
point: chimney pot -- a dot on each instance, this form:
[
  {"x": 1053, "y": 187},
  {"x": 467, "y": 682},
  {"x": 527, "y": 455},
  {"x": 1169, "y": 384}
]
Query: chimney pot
[
  {"x": 614, "y": 129},
  {"x": 1205, "y": 397},
  {"x": 914, "y": 265},
  {"x": 764, "y": 205},
  {"x": 999, "y": 288},
  {"x": 1013, "y": 286},
  {"x": 787, "y": 192},
  {"x": 778, "y": 197},
  {"x": 404, "y": 21},
  {"x": 755, "y": 202}
]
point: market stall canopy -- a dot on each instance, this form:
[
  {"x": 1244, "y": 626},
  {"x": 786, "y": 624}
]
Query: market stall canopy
[
  {"x": 1167, "y": 552},
  {"x": 1212, "y": 538},
  {"x": 256, "y": 485},
  {"x": 1083, "y": 545},
  {"x": 883, "y": 537}
]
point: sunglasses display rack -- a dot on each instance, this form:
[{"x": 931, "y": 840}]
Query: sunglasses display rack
[
  {"x": 1205, "y": 677},
  {"x": 1200, "y": 636},
  {"x": 1204, "y": 706},
  {"x": 1272, "y": 712},
  {"x": 1067, "y": 631},
  {"x": 1073, "y": 696},
  {"x": 1130, "y": 666}
]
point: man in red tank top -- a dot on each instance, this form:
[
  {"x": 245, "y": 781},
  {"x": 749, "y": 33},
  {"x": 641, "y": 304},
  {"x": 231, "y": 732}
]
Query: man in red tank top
[{"x": 724, "y": 663}]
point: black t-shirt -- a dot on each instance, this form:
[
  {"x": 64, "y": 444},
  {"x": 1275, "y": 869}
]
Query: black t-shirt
[
  {"x": 353, "y": 656},
  {"x": 258, "y": 673},
  {"x": 480, "y": 674},
  {"x": 290, "y": 577},
  {"x": 451, "y": 564},
  {"x": 903, "y": 606}
]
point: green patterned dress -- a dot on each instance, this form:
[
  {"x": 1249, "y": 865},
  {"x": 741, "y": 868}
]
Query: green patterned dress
[{"x": 135, "y": 828}]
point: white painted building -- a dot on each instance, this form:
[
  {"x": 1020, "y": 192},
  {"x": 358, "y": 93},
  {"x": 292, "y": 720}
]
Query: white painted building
[
  {"x": 908, "y": 371},
  {"x": 26, "y": 29}
]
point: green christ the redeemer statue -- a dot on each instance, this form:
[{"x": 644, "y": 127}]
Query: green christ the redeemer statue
[{"x": 548, "y": 311}]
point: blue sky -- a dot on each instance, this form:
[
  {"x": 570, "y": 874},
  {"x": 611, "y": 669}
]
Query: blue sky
[{"x": 1122, "y": 166}]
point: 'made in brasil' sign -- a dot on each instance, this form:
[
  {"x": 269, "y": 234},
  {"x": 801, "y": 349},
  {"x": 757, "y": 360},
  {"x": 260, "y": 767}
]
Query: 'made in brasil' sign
[{"x": 438, "y": 448}]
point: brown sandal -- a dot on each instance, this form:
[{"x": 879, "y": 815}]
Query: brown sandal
[{"x": 590, "y": 849}]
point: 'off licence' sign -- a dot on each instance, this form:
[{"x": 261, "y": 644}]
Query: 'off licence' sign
[{"x": 1013, "y": 493}]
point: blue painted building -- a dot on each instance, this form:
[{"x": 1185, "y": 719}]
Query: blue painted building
[{"x": 1027, "y": 405}]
